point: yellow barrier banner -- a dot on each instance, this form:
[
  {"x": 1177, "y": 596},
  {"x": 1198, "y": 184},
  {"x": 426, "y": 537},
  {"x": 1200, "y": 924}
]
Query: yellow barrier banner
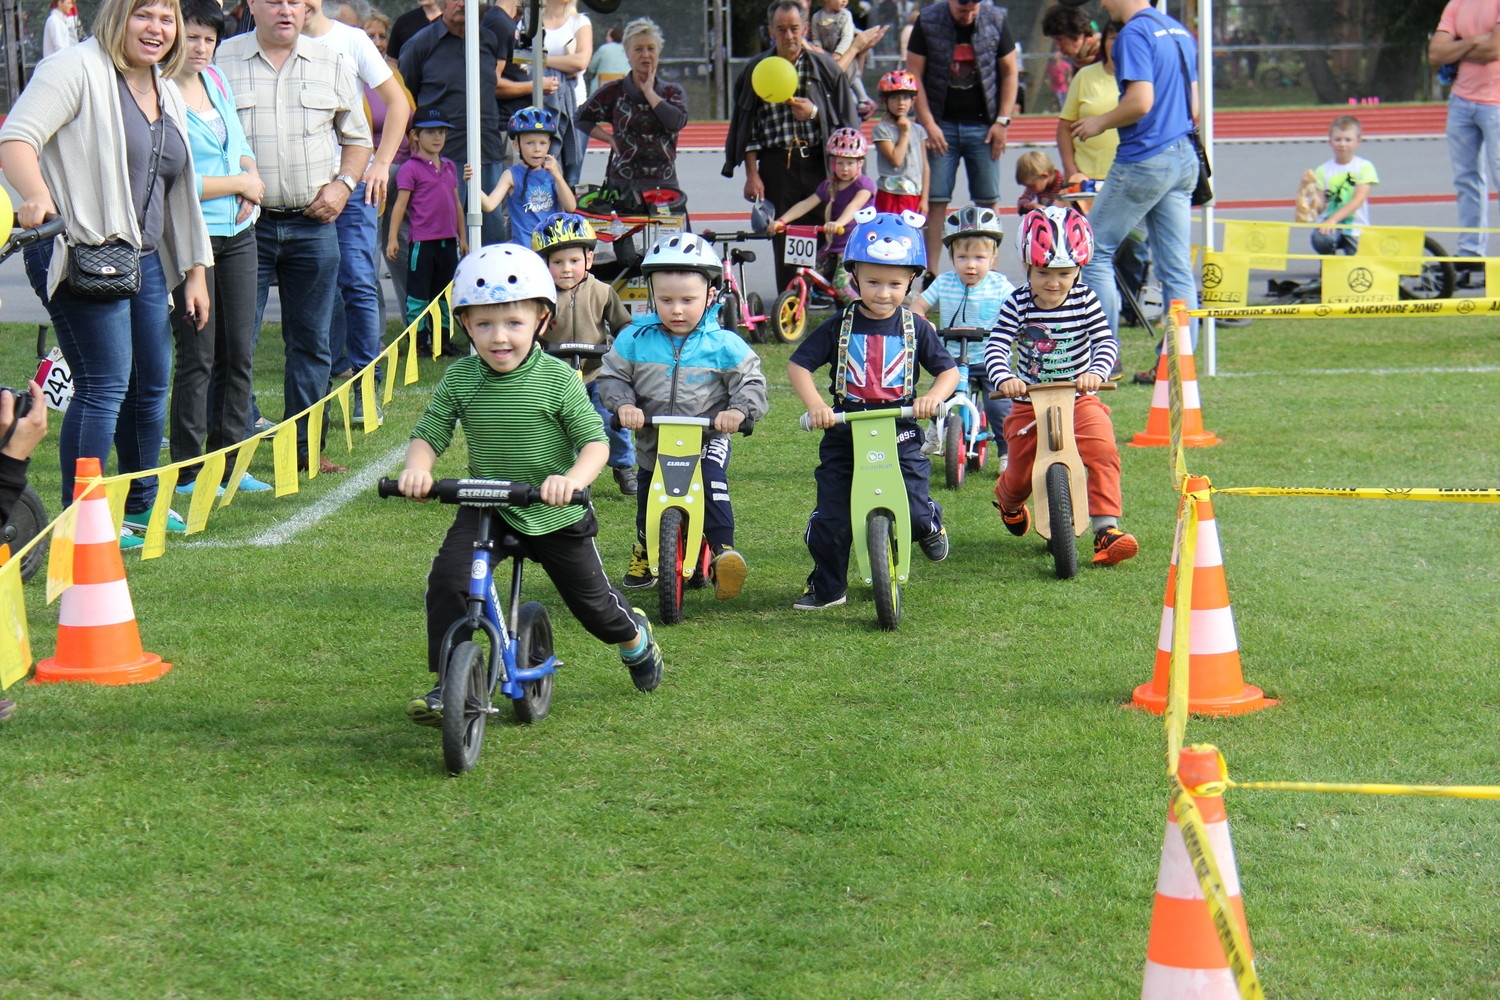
[
  {"x": 284, "y": 457},
  {"x": 1381, "y": 241},
  {"x": 242, "y": 461},
  {"x": 205, "y": 491},
  {"x": 1224, "y": 282},
  {"x": 60, "y": 554},
  {"x": 1326, "y": 310},
  {"x": 1442, "y": 494},
  {"x": 1360, "y": 279},
  {"x": 367, "y": 400},
  {"x": 1266, "y": 242},
  {"x": 15, "y": 642},
  {"x": 1177, "y": 332}
]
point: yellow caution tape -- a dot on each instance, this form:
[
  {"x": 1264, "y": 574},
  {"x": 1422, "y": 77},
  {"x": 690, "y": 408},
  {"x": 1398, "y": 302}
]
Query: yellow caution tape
[
  {"x": 1327, "y": 310},
  {"x": 1211, "y": 881},
  {"x": 1447, "y": 494},
  {"x": 1490, "y": 792},
  {"x": 1182, "y": 597}
]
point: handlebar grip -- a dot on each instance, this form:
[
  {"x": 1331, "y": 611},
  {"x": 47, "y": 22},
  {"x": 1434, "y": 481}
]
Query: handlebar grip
[{"x": 388, "y": 487}]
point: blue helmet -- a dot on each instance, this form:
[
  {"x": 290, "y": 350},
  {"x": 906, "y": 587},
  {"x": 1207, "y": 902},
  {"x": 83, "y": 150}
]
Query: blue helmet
[
  {"x": 886, "y": 238},
  {"x": 532, "y": 119}
]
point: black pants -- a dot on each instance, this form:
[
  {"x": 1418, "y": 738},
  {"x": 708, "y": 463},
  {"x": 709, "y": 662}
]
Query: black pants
[
  {"x": 718, "y": 515},
  {"x": 829, "y": 533},
  {"x": 211, "y": 381},
  {"x": 789, "y": 177},
  {"x": 567, "y": 555}
]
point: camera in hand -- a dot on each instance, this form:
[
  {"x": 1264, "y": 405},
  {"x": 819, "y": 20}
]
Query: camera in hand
[{"x": 22, "y": 407}]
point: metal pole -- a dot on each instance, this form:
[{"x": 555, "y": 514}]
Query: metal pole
[
  {"x": 1206, "y": 113},
  {"x": 473, "y": 95}
]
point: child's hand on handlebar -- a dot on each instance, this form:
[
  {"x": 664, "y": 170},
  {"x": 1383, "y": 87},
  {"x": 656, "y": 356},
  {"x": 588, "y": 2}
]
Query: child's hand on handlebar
[
  {"x": 821, "y": 417},
  {"x": 415, "y": 484},
  {"x": 728, "y": 421},
  {"x": 557, "y": 491},
  {"x": 924, "y": 407},
  {"x": 1012, "y": 387},
  {"x": 632, "y": 417},
  {"x": 1089, "y": 382}
]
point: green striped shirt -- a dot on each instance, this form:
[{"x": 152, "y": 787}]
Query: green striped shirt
[{"x": 523, "y": 425}]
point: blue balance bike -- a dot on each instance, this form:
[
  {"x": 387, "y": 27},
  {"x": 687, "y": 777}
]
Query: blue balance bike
[
  {"x": 519, "y": 660},
  {"x": 963, "y": 440}
]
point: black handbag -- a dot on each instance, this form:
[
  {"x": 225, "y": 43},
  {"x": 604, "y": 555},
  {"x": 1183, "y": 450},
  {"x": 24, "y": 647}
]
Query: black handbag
[
  {"x": 108, "y": 271},
  {"x": 105, "y": 272},
  {"x": 1203, "y": 193}
]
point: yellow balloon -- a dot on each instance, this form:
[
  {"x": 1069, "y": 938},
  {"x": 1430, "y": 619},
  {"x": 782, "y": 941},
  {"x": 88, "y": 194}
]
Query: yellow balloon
[
  {"x": 7, "y": 215},
  {"x": 774, "y": 80}
]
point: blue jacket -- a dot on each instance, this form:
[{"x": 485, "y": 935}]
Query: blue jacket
[
  {"x": 709, "y": 370},
  {"x": 212, "y": 160}
]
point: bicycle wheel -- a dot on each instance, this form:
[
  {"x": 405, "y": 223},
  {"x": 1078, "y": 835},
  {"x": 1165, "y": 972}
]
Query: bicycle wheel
[
  {"x": 1438, "y": 279},
  {"x": 533, "y": 647},
  {"x": 27, "y": 518},
  {"x": 880, "y": 537},
  {"x": 466, "y": 706},
  {"x": 729, "y": 313},
  {"x": 1060, "y": 508},
  {"x": 954, "y": 458},
  {"x": 788, "y": 318},
  {"x": 669, "y": 572},
  {"x": 757, "y": 305}
]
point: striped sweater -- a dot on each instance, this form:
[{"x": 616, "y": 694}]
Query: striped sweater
[
  {"x": 1050, "y": 345},
  {"x": 523, "y": 425}
]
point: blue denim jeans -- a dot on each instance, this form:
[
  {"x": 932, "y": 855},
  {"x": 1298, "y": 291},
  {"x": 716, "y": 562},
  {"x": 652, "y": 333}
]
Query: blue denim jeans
[
  {"x": 1474, "y": 149},
  {"x": 621, "y": 442},
  {"x": 1159, "y": 190},
  {"x": 120, "y": 353},
  {"x": 303, "y": 255},
  {"x": 355, "y": 334},
  {"x": 1341, "y": 242},
  {"x": 966, "y": 143}
]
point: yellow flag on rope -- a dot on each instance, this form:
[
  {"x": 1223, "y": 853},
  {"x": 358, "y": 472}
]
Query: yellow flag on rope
[
  {"x": 60, "y": 554},
  {"x": 15, "y": 641},
  {"x": 1265, "y": 242},
  {"x": 156, "y": 528},
  {"x": 412, "y": 372},
  {"x": 1360, "y": 279},
  {"x": 1402, "y": 242},
  {"x": 205, "y": 491},
  {"x": 1225, "y": 280},
  {"x": 1182, "y": 620},
  {"x": 242, "y": 462},
  {"x": 284, "y": 452},
  {"x": 371, "y": 420}
]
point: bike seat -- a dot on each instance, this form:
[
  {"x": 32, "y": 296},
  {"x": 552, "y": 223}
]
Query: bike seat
[
  {"x": 964, "y": 333},
  {"x": 738, "y": 256},
  {"x": 508, "y": 545}
]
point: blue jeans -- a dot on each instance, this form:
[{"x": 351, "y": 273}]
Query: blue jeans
[
  {"x": 120, "y": 353},
  {"x": 355, "y": 334},
  {"x": 1341, "y": 242},
  {"x": 621, "y": 442},
  {"x": 490, "y": 228},
  {"x": 1159, "y": 190},
  {"x": 1474, "y": 148},
  {"x": 965, "y": 142},
  {"x": 303, "y": 255}
]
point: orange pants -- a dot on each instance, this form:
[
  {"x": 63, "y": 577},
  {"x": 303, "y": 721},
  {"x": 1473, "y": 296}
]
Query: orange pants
[{"x": 1095, "y": 434}]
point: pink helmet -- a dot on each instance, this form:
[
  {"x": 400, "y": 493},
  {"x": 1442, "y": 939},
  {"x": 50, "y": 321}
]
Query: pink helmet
[
  {"x": 897, "y": 81},
  {"x": 1056, "y": 236},
  {"x": 848, "y": 142}
]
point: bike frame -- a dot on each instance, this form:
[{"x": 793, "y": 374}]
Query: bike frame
[
  {"x": 963, "y": 398},
  {"x": 678, "y": 482}
]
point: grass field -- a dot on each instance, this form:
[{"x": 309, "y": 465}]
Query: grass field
[{"x": 808, "y": 807}]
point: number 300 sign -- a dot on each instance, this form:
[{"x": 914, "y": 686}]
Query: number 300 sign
[{"x": 801, "y": 246}]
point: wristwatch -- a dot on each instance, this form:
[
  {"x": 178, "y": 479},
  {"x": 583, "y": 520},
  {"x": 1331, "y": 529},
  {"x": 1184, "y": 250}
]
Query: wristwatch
[
  {"x": 1003, "y": 121},
  {"x": 349, "y": 181}
]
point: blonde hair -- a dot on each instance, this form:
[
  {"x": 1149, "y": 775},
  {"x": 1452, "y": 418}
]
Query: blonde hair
[
  {"x": 975, "y": 240},
  {"x": 378, "y": 15},
  {"x": 1033, "y": 165},
  {"x": 109, "y": 29}
]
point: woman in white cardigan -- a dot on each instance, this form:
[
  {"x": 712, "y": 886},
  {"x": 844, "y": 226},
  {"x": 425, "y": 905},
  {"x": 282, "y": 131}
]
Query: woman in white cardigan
[{"x": 99, "y": 136}]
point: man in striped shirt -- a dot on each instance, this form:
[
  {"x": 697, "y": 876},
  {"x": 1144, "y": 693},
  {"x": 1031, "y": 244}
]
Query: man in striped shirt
[
  {"x": 526, "y": 418},
  {"x": 1052, "y": 329}
]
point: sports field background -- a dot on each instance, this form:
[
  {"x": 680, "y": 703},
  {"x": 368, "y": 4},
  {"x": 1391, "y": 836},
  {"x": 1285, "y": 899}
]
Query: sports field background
[{"x": 808, "y": 807}]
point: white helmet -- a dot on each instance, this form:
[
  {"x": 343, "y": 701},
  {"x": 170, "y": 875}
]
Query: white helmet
[
  {"x": 502, "y": 272},
  {"x": 684, "y": 252},
  {"x": 972, "y": 220}
]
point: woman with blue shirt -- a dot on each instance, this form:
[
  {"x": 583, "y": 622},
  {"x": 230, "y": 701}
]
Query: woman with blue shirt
[{"x": 229, "y": 188}]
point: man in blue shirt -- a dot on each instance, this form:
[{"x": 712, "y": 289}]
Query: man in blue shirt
[{"x": 1156, "y": 168}]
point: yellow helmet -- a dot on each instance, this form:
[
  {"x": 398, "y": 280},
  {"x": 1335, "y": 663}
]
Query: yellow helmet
[{"x": 561, "y": 230}]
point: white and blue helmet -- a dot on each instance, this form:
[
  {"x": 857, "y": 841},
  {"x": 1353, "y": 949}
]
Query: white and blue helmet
[
  {"x": 502, "y": 272},
  {"x": 886, "y": 238},
  {"x": 684, "y": 252}
]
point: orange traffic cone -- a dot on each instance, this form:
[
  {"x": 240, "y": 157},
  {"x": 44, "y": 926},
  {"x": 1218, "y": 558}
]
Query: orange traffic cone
[
  {"x": 1216, "y": 685},
  {"x": 1184, "y": 958},
  {"x": 1158, "y": 430},
  {"x": 97, "y": 638}
]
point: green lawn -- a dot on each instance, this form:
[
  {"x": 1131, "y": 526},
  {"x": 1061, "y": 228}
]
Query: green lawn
[{"x": 808, "y": 807}]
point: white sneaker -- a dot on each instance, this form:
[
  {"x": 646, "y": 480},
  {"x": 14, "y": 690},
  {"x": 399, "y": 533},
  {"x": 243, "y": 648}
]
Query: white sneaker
[
  {"x": 930, "y": 443},
  {"x": 1004, "y": 464}
]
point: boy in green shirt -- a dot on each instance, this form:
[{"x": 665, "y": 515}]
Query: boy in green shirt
[
  {"x": 1346, "y": 181},
  {"x": 527, "y": 418}
]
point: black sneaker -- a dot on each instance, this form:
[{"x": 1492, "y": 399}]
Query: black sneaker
[
  {"x": 625, "y": 478},
  {"x": 427, "y": 710},
  {"x": 935, "y": 545},
  {"x": 638, "y": 576},
  {"x": 645, "y": 668},
  {"x": 1017, "y": 522},
  {"x": 810, "y": 601}
]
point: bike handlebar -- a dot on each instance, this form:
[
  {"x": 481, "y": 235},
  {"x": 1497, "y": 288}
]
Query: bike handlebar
[
  {"x": 747, "y": 427},
  {"x": 844, "y": 418},
  {"x": 22, "y": 238},
  {"x": 997, "y": 394},
  {"x": 739, "y": 236},
  {"x": 479, "y": 492}
]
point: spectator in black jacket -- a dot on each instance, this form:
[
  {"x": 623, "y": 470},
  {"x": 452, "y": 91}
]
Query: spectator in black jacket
[{"x": 19, "y": 439}]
